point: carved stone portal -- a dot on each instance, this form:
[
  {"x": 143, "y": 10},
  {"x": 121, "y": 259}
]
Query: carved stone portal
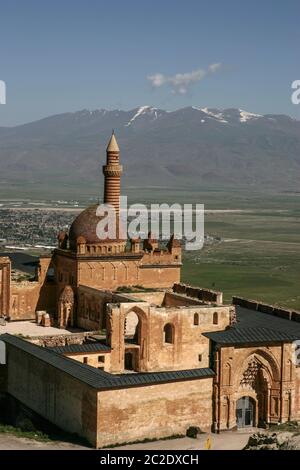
[{"x": 66, "y": 308}]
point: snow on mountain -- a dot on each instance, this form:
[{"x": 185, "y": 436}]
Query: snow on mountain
[
  {"x": 246, "y": 116},
  {"x": 214, "y": 113},
  {"x": 211, "y": 114},
  {"x": 232, "y": 147},
  {"x": 154, "y": 113},
  {"x": 228, "y": 115}
]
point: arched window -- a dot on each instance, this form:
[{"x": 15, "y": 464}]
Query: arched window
[
  {"x": 196, "y": 319},
  {"x": 215, "y": 318},
  {"x": 169, "y": 333}
]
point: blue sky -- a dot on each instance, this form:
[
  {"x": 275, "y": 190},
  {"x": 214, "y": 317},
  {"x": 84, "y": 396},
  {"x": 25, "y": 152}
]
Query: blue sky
[{"x": 68, "y": 55}]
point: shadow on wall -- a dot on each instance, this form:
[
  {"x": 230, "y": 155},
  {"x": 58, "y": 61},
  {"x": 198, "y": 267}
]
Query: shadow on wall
[{"x": 13, "y": 413}]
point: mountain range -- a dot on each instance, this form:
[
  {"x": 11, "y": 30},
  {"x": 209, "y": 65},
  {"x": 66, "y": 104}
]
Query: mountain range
[{"x": 190, "y": 147}]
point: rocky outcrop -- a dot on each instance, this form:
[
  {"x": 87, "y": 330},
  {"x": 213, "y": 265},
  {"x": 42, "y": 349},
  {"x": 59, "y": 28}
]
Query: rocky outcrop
[{"x": 282, "y": 440}]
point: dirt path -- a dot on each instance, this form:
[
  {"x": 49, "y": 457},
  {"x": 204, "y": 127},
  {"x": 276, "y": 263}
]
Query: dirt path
[{"x": 224, "y": 441}]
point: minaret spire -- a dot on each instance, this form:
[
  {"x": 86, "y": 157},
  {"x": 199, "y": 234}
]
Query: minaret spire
[{"x": 112, "y": 174}]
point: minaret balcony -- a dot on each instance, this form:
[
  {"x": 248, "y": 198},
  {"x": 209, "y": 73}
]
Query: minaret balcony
[{"x": 112, "y": 170}]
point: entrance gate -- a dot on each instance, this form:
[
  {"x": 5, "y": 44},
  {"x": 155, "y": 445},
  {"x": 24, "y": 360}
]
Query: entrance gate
[{"x": 245, "y": 412}]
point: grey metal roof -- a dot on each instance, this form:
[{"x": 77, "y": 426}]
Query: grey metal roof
[
  {"x": 77, "y": 348},
  {"x": 99, "y": 379},
  {"x": 257, "y": 328}
]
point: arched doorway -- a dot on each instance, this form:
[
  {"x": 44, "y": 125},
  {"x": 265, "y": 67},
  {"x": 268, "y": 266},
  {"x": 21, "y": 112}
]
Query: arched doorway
[
  {"x": 132, "y": 337},
  {"x": 132, "y": 328},
  {"x": 245, "y": 412},
  {"x": 135, "y": 340},
  {"x": 259, "y": 376}
]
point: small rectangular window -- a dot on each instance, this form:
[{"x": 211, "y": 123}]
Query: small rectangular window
[
  {"x": 101, "y": 359},
  {"x": 200, "y": 358},
  {"x": 85, "y": 360}
]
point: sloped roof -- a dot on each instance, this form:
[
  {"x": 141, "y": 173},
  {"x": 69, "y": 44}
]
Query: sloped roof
[
  {"x": 256, "y": 327},
  {"x": 77, "y": 348},
  {"x": 99, "y": 379}
]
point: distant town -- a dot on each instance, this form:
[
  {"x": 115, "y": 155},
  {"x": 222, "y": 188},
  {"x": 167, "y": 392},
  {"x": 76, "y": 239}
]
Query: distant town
[
  {"x": 33, "y": 226},
  {"x": 27, "y": 225}
]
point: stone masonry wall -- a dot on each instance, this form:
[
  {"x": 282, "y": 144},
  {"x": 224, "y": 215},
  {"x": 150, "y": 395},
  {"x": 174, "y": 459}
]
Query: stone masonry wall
[
  {"x": 206, "y": 295},
  {"x": 92, "y": 359},
  {"x": 188, "y": 349},
  {"x": 53, "y": 394},
  {"x": 27, "y": 297},
  {"x": 154, "y": 411}
]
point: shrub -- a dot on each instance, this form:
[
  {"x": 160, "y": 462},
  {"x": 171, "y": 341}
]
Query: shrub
[{"x": 193, "y": 432}]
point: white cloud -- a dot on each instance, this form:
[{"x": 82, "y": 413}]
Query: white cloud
[
  {"x": 180, "y": 82},
  {"x": 157, "y": 80},
  {"x": 214, "y": 67}
]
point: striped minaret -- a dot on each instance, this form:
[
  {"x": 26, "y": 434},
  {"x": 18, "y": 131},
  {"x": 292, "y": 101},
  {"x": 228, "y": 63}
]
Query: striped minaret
[{"x": 112, "y": 175}]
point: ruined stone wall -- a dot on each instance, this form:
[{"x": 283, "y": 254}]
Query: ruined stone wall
[
  {"x": 91, "y": 307},
  {"x": 62, "y": 340},
  {"x": 266, "y": 308},
  {"x": 25, "y": 297},
  {"x": 154, "y": 411},
  {"x": 28, "y": 297},
  {"x": 45, "y": 262},
  {"x": 53, "y": 394},
  {"x": 176, "y": 300},
  {"x": 205, "y": 295},
  {"x": 154, "y": 298},
  {"x": 188, "y": 349}
]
